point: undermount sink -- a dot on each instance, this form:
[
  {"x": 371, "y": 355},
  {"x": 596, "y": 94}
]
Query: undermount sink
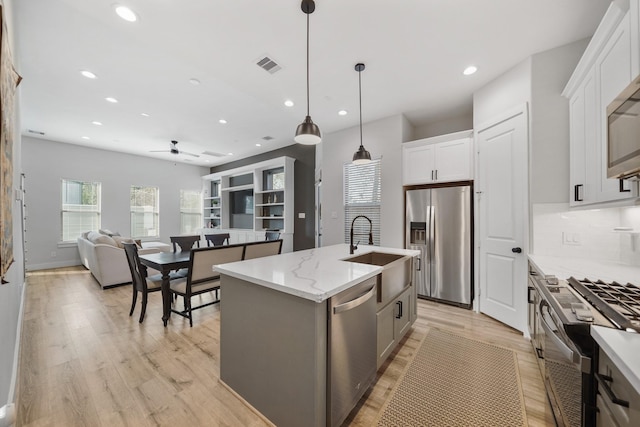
[{"x": 375, "y": 258}]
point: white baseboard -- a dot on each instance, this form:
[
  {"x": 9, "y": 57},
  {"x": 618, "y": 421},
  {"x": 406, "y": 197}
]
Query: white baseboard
[
  {"x": 48, "y": 265},
  {"x": 16, "y": 353}
]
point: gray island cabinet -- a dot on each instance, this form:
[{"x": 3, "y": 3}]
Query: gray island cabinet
[{"x": 302, "y": 334}]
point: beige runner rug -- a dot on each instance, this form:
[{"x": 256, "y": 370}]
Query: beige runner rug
[{"x": 456, "y": 381}]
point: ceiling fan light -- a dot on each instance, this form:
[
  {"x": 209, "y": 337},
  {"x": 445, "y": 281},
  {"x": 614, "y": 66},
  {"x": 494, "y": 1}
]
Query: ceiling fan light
[
  {"x": 361, "y": 157},
  {"x": 308, "y": 133}
]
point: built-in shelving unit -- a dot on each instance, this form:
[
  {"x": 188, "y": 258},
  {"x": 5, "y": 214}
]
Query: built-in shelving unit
[{"x": 247, "y": 201}]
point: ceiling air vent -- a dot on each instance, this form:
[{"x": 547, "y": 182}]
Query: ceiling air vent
[
  {"x": 268, "y": 64},
  {"x": 37, "y": 132},
  {"x": 267, "y": 138},
  {"x": 211, "y": 153}
]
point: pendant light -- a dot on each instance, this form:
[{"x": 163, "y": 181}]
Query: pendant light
[
  {"x": 361, "y": 156},
  {"x": 308, "y": 132}
]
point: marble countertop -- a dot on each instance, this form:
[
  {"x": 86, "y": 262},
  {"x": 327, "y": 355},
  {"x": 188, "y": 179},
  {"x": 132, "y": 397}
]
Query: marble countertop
[
  {"x": 315, "y": 274},
  {"x": 623, "y": 349},
  {"x": 563, "y": 268}
]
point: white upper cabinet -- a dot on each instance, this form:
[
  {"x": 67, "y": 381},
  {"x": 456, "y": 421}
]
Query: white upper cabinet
[
  {"x": 443, "y": 158},
  {"x": 605, "y": 69}
]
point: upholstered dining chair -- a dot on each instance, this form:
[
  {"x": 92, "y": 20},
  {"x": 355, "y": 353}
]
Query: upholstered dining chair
[
  {"x": 140, "y": 282},
  {"x": 271, "y": 235},
  {"x": 202, "y": 278},
  {"x": 260, "y": 249},
  {"x": 218, "y": 239}
]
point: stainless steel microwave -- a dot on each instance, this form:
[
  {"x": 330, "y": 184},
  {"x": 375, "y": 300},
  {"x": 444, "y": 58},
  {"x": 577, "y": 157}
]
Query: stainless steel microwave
[{"x": 623, "y": 134}]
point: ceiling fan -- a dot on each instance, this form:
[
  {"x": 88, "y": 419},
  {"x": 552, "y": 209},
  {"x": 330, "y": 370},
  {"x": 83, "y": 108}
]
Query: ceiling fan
[{"x": 174, "y": 150}]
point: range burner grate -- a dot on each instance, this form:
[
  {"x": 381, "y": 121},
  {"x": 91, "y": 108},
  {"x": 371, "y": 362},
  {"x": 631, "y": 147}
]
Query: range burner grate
[{"x": 619, "y": 303}]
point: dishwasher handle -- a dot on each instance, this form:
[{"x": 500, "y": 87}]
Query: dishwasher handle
[{"x": 355, "y": 302}]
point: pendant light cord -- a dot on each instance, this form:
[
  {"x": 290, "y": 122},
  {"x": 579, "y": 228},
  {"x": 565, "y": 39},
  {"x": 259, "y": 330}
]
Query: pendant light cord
[
  {"x": 308, "y": 64},
  {"x": 360, "y": 97}
]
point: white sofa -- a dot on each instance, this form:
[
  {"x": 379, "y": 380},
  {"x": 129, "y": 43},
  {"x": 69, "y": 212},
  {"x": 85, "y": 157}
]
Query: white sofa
[{"x": 106, "y": 259}]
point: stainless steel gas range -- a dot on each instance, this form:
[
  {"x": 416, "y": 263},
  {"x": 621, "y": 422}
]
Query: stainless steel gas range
[{"x": 561, "y": 313}]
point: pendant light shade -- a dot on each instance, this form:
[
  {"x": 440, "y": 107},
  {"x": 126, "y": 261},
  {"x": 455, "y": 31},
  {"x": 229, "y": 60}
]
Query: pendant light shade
[
  {"x": 361, "y": 156},
  {"x": 308, "y": 133}
]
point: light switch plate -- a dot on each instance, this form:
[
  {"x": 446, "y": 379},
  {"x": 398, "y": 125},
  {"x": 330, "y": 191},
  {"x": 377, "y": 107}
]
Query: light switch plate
[{"x": 301, "y": 215}]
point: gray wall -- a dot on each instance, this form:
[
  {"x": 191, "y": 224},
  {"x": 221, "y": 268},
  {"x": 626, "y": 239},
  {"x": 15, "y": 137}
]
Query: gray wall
[
  {"x": 383, "y": 139},
  {"x": 116, "y": 172},
  {"x": 304, "y": 188},
  {"x": 11, "y": 293},
  {"x": 550, "y": 71}
]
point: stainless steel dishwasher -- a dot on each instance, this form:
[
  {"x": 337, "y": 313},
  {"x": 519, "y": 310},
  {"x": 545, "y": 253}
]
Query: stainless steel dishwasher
[{"x": 351, "y": 349}]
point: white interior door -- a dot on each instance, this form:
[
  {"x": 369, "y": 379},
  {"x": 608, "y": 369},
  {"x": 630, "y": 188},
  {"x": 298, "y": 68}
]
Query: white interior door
[{"x": 502, "y": 205}]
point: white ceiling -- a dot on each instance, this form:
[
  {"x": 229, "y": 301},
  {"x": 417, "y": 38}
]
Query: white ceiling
[{"x": 414, "y": 52}]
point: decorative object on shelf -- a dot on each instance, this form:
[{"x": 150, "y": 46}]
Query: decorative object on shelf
[
  {"x": 308, "y": 132},
  {"x": 361, "y": 156}
]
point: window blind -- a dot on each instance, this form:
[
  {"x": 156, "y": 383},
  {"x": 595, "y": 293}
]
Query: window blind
[
  {"x": 80, "y": 208},
  {"x": 362, "y": 196},
  {"x": 145, "y": 212},
  {"x": 190, "y": 211}
]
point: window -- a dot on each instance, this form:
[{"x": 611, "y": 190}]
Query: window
[
  {"x": 144, "y": 212},
  {"x": 190, "y": 211},
  {"x": 80, "y": 208},
  {"x": 362, "y": 195}
]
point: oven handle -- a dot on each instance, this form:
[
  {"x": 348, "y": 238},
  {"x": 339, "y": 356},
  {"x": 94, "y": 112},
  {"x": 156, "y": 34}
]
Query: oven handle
[{"x": 564, "y": 349}]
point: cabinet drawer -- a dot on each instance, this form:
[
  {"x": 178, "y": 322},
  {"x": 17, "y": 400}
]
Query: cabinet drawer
[{"x": 611, "y": 385}]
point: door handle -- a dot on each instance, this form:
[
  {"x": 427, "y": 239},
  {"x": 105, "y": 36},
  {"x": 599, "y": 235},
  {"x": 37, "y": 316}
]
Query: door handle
[
  {"x": 622, "y": 189},
  {"x": 529, "y": 298},
  {"x": 577, "y": 197},
  {"x": 604, "y": 381},
  {"x": 516, "y": 250},
  {"x": 399, "y": 303}
]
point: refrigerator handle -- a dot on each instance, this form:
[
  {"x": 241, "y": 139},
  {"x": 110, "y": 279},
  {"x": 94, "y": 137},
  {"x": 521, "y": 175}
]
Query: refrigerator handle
[{"x": 419, "y": 268}]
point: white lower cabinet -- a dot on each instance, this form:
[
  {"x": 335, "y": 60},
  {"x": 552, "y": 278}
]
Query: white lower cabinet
[
  {"x": 393, "y": 321},
  {"x": 618, "y": 402}
]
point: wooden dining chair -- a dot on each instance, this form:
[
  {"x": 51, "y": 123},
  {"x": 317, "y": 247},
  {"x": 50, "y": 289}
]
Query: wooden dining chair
[
  {"x": 218, "y": 239},
  {"x": 184, "y": 242},
  {"x": 260, "y": 249},
  {"x": 202, "y": 278},
  {"x": 271, "y": 235},
  {"x": 139, "y": 280}
]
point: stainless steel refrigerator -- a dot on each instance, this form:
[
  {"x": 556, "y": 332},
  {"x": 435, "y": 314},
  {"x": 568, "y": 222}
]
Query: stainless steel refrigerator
[{"x": 439, "y": 224}]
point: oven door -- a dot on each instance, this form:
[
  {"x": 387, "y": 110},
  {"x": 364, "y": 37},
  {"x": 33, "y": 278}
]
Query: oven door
[{"x": 564, "y": 369}]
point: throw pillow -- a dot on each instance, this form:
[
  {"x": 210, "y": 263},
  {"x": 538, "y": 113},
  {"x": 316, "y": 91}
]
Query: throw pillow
[
  {"x": 108, "y": 232},
  {"x": 120, "y": 240},
  {"x": 106, "y": 240}
]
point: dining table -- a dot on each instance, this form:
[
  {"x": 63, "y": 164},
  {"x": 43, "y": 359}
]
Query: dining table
[{"x": 165, "y": 263}]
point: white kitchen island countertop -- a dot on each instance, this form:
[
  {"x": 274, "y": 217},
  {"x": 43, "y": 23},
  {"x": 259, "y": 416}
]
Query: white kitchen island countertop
[
  {"x": 315, "y": 274},
  {"x": 563, "y": 268},
  {"x": 623, "y": 349}
]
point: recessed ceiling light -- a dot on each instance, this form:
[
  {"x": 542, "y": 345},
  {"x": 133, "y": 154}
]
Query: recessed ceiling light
[
  {"x": 222, "y": 121},
  {"x": 229, "y": 154},
  {"x": 258, "y": 145},
  {"x": 288, "y": 103},
  {"x": 207, "y": 161},
  {"x": 97, "y": 123},
  {"x": 144, "y": 114},
  {"x": 86, "y": 137},
  {"x": 470, "y": 70},
  {"x": 194, "y": 82},
  {"x": 342, "y": 112},
  {"x": 127, "y": 14},
  {"x": 112, "y": 100},
  {"x": 88, "y": 74}
]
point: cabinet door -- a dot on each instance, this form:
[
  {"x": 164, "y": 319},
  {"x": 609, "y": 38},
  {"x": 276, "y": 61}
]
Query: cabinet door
[
  {"x": 418, "y": 164},
  {"x": 453, "y": 160},
  {"x": 613, "y": 73},
  {"x": 386, "y": 336},
  {"x": 577, "y": 149},
  {"x": 402, "y": 315}
]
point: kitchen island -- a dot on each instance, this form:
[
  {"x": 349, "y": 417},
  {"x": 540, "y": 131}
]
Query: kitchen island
[{"x": 279, "y": 344}]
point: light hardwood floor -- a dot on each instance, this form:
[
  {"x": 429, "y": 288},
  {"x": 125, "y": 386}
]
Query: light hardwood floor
[{"x": 84, "y": 361}]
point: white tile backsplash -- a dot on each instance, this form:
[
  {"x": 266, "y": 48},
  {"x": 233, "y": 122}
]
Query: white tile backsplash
[{"x": 588, "y": 234}]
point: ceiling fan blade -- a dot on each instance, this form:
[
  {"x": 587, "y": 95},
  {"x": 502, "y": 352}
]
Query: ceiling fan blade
[
  {"x": 159, "y": 151},
  {"x": 189, "y": 154}
]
